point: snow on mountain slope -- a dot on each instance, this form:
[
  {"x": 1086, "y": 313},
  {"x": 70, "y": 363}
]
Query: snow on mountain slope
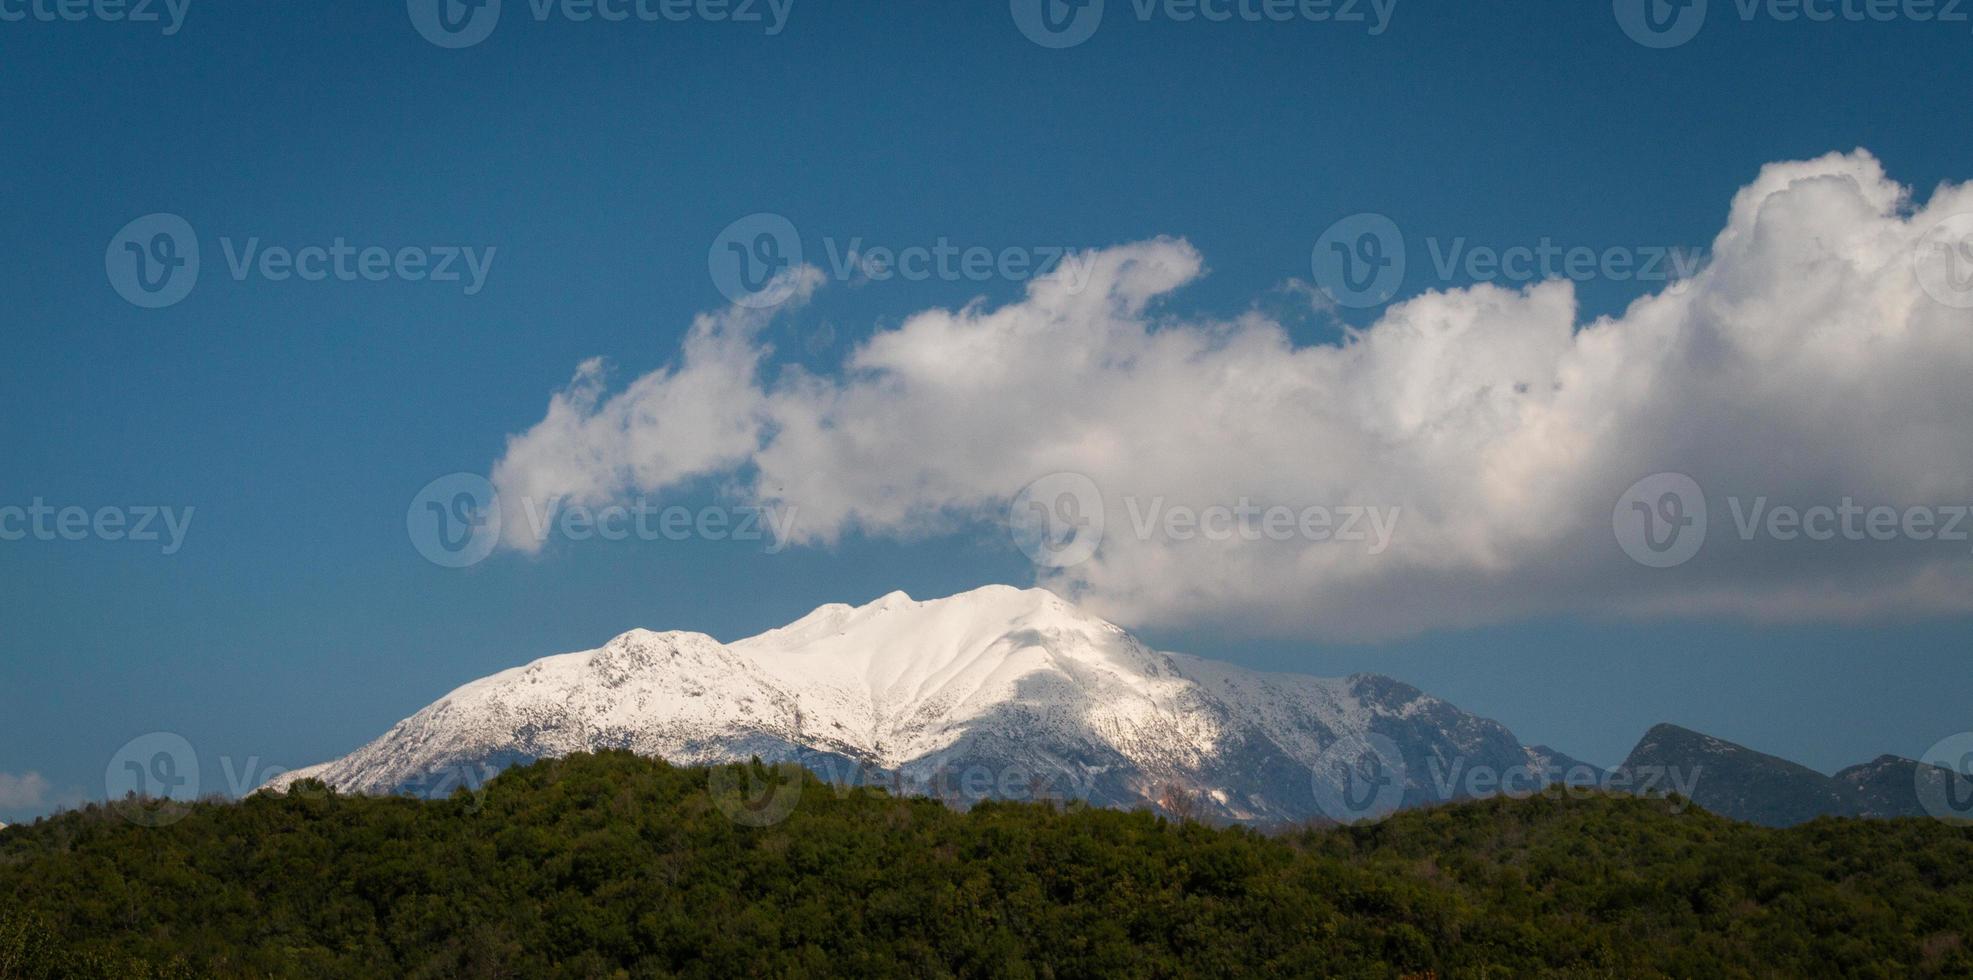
[{"x": 1017, "y": 685}]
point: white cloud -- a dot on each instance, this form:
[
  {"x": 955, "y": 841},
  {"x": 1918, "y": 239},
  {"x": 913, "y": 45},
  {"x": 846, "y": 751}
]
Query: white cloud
[
  {"x": 24, "y": 792},
  {"x": 701, "y": 416},
  {"x": 1803, "y": 364}
]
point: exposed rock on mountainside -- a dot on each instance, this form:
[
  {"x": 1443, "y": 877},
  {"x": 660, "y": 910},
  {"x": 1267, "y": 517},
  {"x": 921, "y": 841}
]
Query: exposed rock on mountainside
[{"x": 998, "y": 692}]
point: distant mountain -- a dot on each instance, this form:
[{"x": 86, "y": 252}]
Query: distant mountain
[
  {"x": 1566, "y": 768},
  {"x": 999, "y": 692},
  {"x": 1893, "y": 786},
  {"x": 1733, "y": 780},
  {"x": 1738, "y": 782},
  {"x": 1017, "y": 694}
]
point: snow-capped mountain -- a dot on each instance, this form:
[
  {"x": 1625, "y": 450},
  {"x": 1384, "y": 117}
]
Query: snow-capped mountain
[{"x": 997, "y": 692}]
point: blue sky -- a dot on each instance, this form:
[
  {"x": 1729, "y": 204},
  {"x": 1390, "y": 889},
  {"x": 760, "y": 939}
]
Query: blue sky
[{"x": 600, "y": 161}]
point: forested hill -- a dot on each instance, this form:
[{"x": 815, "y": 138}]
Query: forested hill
[{"x": 612, "y": 864}]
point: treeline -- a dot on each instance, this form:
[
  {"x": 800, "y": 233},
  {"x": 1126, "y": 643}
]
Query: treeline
[{"x": 614, "y": 865}]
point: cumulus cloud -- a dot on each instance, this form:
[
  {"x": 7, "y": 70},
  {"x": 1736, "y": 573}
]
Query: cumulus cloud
[
  {"x": 24, "y": 792},
  {"x": 704, "y": 415},
  {"x": 1802, "y": 365}
]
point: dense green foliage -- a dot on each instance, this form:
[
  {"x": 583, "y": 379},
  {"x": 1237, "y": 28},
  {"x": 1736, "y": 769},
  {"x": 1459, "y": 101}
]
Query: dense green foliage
[{"x": 616, "y": 865}]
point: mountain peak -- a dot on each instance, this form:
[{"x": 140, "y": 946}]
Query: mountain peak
[
  {"x": 985, "y": 595},
  {"x": 1017, "y": 684},
  {"x": 641, "y": 637},
  {"x": 1733, "y": 780},
  {"x": 1668, "y": 730}
]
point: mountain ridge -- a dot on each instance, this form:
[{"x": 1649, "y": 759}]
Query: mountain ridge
[
  {"x": 1746, "y": 784},
  {"x": 1019, "y": 683},
  {"x": 1026, "y": 696}
]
